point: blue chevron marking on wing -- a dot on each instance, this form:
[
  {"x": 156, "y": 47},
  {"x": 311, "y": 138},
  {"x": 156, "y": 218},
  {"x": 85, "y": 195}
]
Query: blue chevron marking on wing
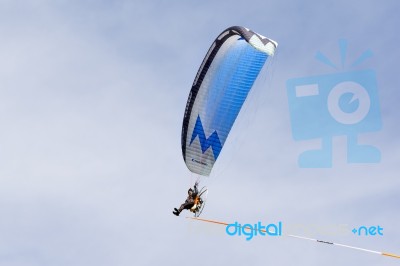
[{"x": 205, "y": 143}]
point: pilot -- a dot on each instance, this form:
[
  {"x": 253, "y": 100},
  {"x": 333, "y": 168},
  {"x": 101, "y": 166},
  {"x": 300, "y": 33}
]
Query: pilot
[{"x": 191, "y": 201}]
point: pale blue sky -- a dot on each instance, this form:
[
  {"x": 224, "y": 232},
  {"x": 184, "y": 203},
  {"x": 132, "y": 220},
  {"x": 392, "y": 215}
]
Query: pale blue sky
[{"x": 92, "y": 95}]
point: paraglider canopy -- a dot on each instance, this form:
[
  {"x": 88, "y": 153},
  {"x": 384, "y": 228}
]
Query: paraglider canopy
[{"x": 219, "y": 90}]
